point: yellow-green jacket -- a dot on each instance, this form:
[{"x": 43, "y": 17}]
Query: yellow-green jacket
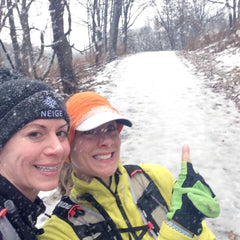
[{"x": 58, "y": 229}]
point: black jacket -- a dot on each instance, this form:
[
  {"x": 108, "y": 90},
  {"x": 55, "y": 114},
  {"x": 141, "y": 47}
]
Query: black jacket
[{"x": 24, "y": 218}]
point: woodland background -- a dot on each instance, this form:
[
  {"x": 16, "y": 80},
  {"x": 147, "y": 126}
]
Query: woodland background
[{"x": 111, "y": 29}]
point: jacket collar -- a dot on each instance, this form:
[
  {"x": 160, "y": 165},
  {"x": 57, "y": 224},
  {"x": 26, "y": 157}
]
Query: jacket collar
[
  {"x": 96, "y": 186},
  {"x": 29, "y": 211}
]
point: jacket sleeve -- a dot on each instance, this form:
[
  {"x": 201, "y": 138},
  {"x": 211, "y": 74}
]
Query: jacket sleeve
[
  {"x": 168, "y": 233},
  {"x": 165, "y": 182},
  {"x": 57, "y": 229}
]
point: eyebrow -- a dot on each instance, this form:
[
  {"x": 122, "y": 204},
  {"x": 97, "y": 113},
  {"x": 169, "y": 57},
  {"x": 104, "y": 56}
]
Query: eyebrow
[
  {"x": 42, "y": 126},
  {"x": 64, "y": 125},
  {"x": 34, "y": 125}
]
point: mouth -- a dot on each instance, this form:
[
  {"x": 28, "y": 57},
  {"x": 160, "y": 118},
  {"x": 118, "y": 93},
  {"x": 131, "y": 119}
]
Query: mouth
[
  {"x": 46, "y": 168},
  {"x": 103, "y": 157}
]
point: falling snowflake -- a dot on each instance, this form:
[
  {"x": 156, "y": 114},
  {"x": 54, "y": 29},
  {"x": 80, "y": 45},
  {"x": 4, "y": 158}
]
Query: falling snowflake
[{"x": 50, "y": 102}]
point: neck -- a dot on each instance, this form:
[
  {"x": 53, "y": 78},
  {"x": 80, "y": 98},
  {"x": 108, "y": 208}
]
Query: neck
[
  {"x": 106, "y": 180},
  {"x": 30, "y": 193},
  {"x": 88, "y": 179}
]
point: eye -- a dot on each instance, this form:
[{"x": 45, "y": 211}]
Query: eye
[
  {"x": 90, "y": 132},
  {"x": 111, "y": 128},
  {"x": 62, "y": 134},
  {"x": 34, "y": 135}
]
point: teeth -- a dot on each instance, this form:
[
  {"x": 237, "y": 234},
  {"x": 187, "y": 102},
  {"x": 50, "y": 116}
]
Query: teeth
[
  {"x": 46, "y": 169},
  {"x": 102, "y": 157}
]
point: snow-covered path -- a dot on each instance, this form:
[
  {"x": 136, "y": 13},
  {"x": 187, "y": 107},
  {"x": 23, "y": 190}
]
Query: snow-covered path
[{"x": 169, "y": 106}]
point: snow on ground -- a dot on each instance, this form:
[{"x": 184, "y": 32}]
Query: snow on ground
[
  {"x": 170, "y": 104},
  {"x": 228, "y": 60}
]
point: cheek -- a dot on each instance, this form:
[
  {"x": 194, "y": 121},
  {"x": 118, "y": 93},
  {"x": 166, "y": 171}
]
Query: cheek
[
  {"x": 118, "y": 141},
  {"x": 79, "y": 161},
  {"x": 78, "y": 151},
  {"x": 16, "y": 166},
  {"x": 66, "y": 148}
]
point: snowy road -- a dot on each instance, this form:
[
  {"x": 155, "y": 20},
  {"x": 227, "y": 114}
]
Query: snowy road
[{"x": 170, "y": 106}]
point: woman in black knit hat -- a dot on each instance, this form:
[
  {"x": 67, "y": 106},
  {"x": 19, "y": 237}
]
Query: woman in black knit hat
[{"x": 33, "y": 146}]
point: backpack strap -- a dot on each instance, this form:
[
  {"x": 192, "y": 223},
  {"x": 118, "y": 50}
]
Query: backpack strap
[
  {"x": 84, "y": 221},
  {"x": 147, "y": 197},
  {"x": 66, "y": 208},
  {"x": 115, "y": 232},
  {"x": 21, "y": 212},
  {"x": 7, "y": 232}
]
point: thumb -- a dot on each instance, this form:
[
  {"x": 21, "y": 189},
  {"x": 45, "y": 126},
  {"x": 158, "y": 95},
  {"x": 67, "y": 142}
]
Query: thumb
[{"x": 186, "y": 153}]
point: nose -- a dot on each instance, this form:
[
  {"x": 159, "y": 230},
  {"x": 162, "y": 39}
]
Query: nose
[
  {"x": 105, "y": 139},
  {"x": 54, "y": 146}
]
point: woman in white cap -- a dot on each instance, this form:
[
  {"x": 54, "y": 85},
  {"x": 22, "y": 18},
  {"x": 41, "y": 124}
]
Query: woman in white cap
[
  {"x": 33, "y": 146},
  {"x": 112, "y": 201}
]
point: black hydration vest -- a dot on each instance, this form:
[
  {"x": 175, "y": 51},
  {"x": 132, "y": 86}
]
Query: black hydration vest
[{"x": 89, "y": 224}]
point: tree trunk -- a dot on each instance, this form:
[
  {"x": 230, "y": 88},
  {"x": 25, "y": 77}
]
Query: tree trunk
[
  {"x": 97, "y": 34},
  {"x": 13, "y": 35},
  {"x": 125, "y": 26},
  {"x": 2, "y": 4},
  {"x": 238, "y": 11},
  {"x": 230, "y": 16},
  {"x": 61, "y": 46},
  {"x": 234, "y": 13},
  {"x": 105, "y": 23},
  {"x": 27, "y": 50},
  {"x": 117, "y": 10}
]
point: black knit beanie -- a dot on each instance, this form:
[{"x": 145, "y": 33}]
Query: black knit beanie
[{"x": 24, "y": 100}]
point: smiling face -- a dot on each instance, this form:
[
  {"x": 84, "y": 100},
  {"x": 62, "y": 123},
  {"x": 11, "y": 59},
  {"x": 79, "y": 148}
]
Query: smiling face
[
  {"x": 96, "y": 153},
  {"x": 31, "y": 160}
]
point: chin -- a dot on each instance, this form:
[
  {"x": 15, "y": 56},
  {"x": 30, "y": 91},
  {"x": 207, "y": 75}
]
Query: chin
[
  {"x": 109, "y": 173},
  {"x": 48, "y": 186}
]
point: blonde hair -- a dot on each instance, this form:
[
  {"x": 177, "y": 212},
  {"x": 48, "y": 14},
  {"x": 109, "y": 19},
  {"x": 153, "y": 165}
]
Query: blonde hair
[{"x": 65, "y": 182}]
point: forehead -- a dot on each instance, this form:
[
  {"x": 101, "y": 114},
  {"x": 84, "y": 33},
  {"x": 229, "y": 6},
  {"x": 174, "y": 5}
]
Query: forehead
[{"x": 46, "y": 122}]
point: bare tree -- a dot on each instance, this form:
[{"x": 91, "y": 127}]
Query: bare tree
[
  {"x": 181, "y": 20},
  {"x": 165, "y": 13},
  {"x": 61, "y": 45},
  {"x": 97, "y": 23},
  {"x": 233, "y": 9},
  {"x": 130, "y": 15},
  {"x": 101, "y": 13},
  {"x": 105, "y": 25},
  {"x": 127, "y": 4},
  {"x": 26, "y": 48},
  {"x": 114, "y": 24},
  {"x": 22, "y": 49},
  {"x": 13, "y": 35},
  {"x": 97, "y": 13},
  {"x": 2, "y": 4},
  {"x": 238, "y": 10},
  {"x": 25, "y": 57}
]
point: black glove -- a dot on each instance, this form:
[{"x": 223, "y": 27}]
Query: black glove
[{"x": 192, "y": 200}]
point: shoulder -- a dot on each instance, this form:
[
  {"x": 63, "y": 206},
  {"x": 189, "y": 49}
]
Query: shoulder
[
  {"x": 56, "y": 228},
  {"x": 157, "y": 172},
  {"x": 162, "y": 178}
]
